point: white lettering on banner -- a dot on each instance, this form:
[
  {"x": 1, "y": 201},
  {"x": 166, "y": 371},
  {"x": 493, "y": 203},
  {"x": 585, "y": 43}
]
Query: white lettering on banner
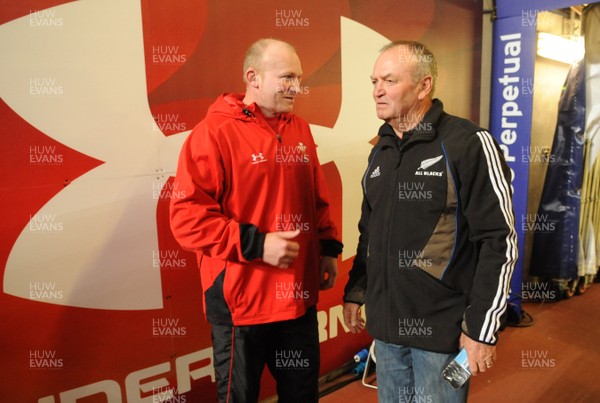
[
  {"x": 336, "y": 315},
  {"x": 510, "y": 94},
  {"x": 135, "y": 385},
  {"x": 108, "y": 388}
]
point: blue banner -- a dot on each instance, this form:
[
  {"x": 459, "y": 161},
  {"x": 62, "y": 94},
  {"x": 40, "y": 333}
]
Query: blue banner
[
  {"x": 514, "y": 50},
  {"x": 519, "y": 8}
]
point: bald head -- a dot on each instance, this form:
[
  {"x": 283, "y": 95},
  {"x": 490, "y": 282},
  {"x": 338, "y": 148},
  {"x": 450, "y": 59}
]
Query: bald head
[{"x": 260, "y": 51}]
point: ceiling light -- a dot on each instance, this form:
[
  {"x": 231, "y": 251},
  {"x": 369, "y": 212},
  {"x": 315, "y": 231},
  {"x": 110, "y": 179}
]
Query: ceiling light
[{"x": 559, "y": 48}]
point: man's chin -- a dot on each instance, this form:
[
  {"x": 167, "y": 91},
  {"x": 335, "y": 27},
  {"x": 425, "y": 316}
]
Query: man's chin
[{"x": 286, "y": 108}]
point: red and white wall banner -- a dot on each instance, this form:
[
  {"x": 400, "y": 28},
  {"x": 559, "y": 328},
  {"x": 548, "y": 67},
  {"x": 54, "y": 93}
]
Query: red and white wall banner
[{"x": 98, "y": 302}]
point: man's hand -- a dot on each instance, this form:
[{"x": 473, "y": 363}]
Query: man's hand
[
  {"x": 279, "y": 250},
  {"x": 352, "y": 318},
  {"x": 329, "y": 267},
  {"x": 481, "y": 356}
]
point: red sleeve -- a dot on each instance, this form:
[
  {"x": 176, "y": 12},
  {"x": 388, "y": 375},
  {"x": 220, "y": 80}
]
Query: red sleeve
[{"x": 197, "y": 219}]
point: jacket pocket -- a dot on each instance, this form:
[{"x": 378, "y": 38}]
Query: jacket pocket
[{"x": 438, "y": 286}]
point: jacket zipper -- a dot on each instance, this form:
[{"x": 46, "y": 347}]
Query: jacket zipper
[
  {"x": 392, "y": 208},
  {"x": 251, "y": 115}
]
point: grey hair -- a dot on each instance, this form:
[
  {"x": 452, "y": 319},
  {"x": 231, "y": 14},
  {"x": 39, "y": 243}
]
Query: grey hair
[{"x": 424, "y": 61}]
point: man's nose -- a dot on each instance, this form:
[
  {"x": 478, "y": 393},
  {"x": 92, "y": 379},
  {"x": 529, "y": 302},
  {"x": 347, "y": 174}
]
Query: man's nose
[
  {"x": 294, "y": 87},
  {"x": 378, "y": 90}
]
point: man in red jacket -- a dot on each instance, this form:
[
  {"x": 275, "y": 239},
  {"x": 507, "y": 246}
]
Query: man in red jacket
[{"x": 254, "y": 208}]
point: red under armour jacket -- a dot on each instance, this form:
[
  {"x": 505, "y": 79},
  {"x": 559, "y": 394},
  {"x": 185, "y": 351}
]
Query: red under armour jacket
[{"x": 238, "y": 179}]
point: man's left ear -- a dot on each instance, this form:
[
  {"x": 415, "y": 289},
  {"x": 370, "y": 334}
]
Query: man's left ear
[
  {"x": 252, "y": 77},
  {"x": 426, "y": 86}
]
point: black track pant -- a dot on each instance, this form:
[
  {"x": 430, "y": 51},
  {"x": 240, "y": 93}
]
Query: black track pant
[{"x": 290, "y": 349}]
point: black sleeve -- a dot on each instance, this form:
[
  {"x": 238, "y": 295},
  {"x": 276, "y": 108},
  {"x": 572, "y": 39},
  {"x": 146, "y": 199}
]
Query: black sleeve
[
  {"x": 252, "y": 241},
  {"x": 331, "y": 247},
  {"x": 486, "y": 199}
]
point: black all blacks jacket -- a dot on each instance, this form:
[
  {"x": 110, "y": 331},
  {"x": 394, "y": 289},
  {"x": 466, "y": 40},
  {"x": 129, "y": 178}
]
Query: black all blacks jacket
[{"x": 437, "y": 242}]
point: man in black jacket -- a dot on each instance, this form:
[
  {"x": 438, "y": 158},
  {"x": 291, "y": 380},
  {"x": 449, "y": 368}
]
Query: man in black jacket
[{"x": 437, "y": 242}]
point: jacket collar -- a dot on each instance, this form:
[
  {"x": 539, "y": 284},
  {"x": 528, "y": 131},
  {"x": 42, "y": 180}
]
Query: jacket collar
[
  {"x": 424, "y": 131},
  {"x": 247, "y": 112}
]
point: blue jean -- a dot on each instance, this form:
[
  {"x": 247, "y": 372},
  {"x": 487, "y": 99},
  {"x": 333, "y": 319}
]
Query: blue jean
[{"x": 410, "y": 375}]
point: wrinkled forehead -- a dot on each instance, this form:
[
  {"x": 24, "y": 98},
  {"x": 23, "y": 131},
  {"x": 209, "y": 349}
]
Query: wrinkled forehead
[{"x": 394, "y": 61}]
